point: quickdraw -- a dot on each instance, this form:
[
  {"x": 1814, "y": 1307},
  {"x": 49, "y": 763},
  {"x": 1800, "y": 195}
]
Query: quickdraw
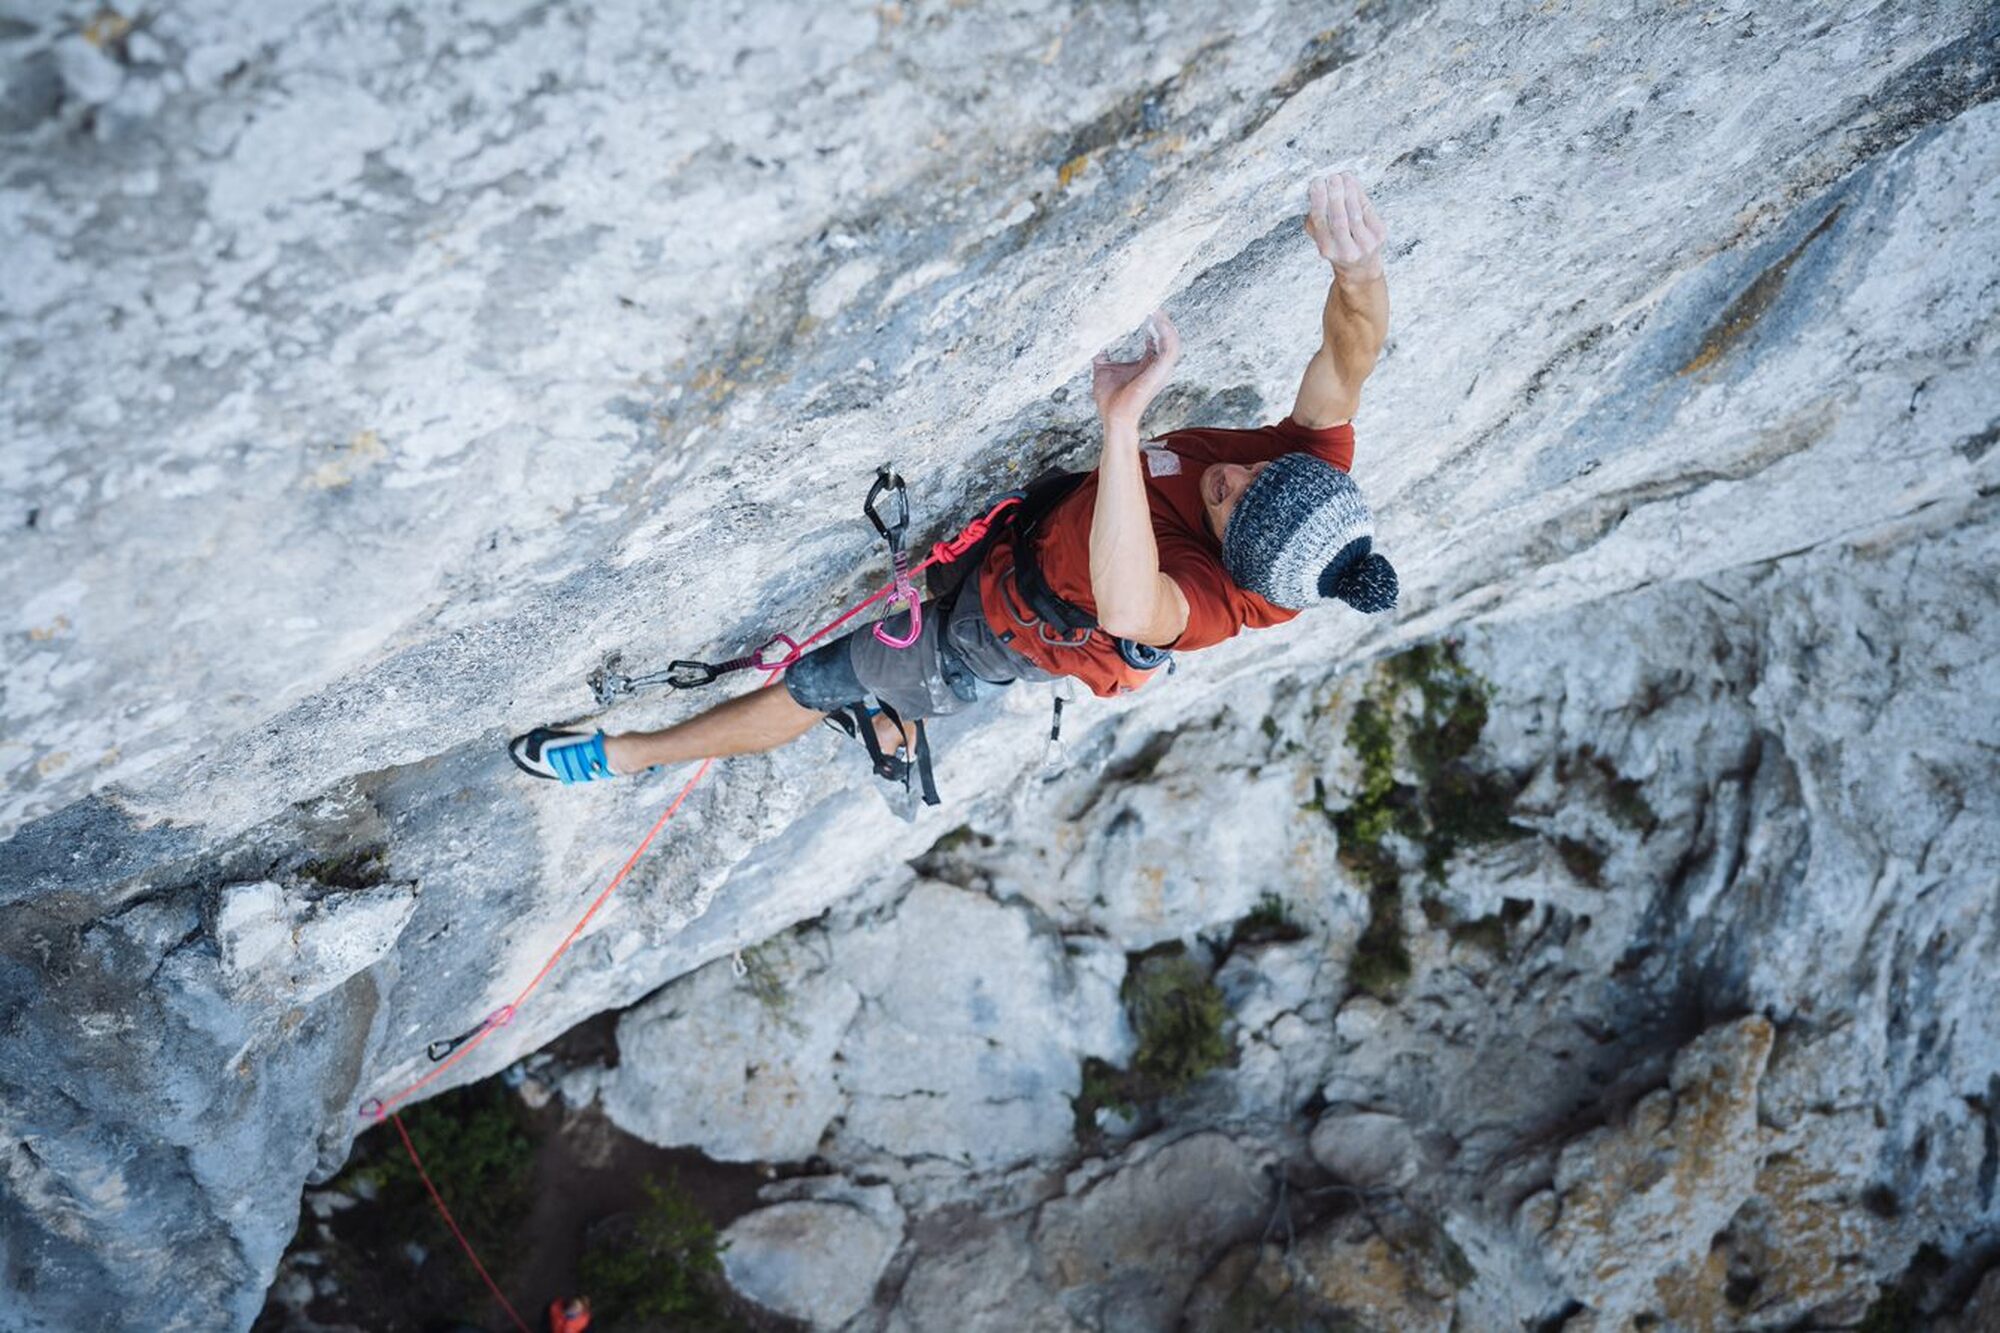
[
  {"x": 905, "y": 595},
  {"x": 609, "y": 683},
  {"x": 441, "y": 1050}
]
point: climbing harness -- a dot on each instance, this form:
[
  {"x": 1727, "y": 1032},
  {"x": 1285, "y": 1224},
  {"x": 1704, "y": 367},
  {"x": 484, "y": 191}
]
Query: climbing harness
[
  {"x": 857, "y": 721},
  {"x": 780, "y": 651}
]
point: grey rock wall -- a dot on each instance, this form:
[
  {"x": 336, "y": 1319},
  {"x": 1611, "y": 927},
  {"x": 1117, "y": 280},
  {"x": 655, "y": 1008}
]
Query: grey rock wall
[
  {"x": 1703, "y": 1040},
  {"x": 370, "y": 373}
]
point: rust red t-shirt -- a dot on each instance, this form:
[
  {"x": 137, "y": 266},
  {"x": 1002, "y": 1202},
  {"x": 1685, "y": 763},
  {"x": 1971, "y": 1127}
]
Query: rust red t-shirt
[{"x": 1189, "y": 554}]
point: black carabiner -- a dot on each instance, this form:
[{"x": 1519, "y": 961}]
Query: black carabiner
[
  {"x": 685, "y": 675},
  {"x": 887, "y": 482},
  {"x": 438, "y": 1050},
  {"x": 443, "y": 1047}
]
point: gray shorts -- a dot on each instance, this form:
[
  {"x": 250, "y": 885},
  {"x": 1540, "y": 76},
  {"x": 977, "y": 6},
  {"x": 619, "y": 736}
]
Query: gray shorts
[{"x": 956, "y": 661}]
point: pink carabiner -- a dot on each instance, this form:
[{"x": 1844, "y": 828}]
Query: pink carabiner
[
  {"x": 792, "y": 653},
  {"x": 905, "y": 593}
]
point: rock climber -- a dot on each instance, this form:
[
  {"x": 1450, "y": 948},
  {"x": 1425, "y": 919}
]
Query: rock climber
[
  {"x": 1170, "y": 545},
  {"x": 569, "y": 1316}
]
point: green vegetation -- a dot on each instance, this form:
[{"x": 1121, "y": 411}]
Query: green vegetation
[
  {"x": 1450, "y": 805},
  {"x": 662, "y": 1263},
  {"x": 766, "y": 984},
  {"x": 1892, "y": 1312},
  {"x": 475, "y": 1146},
  {"x": 1897, "y": 1308},
  {"x": 1178, "y": 1014},
  {"x": 1269, "y": 922},
  {"x": 1107, "y": 1086},
  {"x": 360, "y": 868}
]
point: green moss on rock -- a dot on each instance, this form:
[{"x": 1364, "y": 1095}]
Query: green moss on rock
[
  {"x": 1178, "y": 1015},
  {"x": 1269, "y": 922},
  {"x": 1449, "y": 805}
]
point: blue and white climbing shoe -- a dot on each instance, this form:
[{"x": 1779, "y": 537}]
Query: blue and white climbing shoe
[{"x": 566, "y": 756}]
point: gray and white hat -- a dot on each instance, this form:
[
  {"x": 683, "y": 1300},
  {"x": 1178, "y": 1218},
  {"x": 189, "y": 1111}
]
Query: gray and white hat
[{"x": 1301, "y": 532}]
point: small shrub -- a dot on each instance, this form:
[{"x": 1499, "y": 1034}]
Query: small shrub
[
  {"x": 1178, "y": 1015},
  {"x": 1107, "y": 1086},
  {"x": 1269, "y": 922},
  {"x": 1450, "y": 804},
  {"x": 475, "y": 1146},
  {"x": 361, "y": 868},
  {"x": 766, "y": 985},
  {"x": 1381, "y": 960},
  {"x": 662, "y": 1263}
]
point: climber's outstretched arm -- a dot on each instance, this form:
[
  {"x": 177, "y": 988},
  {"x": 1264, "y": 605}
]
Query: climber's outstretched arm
[
  {"x": 1350, "y": 236},
  {"x": 1134, "y": 599}
]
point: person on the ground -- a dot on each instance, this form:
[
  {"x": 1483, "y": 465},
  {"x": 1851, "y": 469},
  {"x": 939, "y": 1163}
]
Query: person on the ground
[{"x": 1175, "y": 544}]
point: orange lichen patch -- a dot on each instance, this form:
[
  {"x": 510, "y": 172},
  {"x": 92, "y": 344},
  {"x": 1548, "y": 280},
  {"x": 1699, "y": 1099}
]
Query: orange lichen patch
[
  {"x": 54, "y": 629},
  {"x": 106, "y": 28},
  {"x": 1802, "y": 1231},
  {"x": 51, "y": 762},
  {"x": 1641, "y": 1203},
  {"x": 361, "y": 452},
  {"x": 1367, "y": 1276},
  {"x": 1748, "y": 308},
  {"x": 1693, "y": 1295},
  {"x": 1071, "y": 169},
  {"x": 1717, "y": 1107}
]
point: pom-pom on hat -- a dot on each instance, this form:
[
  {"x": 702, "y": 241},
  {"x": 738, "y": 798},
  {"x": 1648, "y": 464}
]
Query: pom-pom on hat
[{"x": 1302, "y": 531}]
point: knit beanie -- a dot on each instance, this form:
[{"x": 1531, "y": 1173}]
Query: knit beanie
[{"x": 1303, "y": 531}]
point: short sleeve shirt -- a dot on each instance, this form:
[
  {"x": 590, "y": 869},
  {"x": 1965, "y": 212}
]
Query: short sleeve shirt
[{"x": 1190, "y": 554}]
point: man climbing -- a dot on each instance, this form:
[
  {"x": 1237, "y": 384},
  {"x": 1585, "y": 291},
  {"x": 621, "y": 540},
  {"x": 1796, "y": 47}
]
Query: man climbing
[{"x": 1172, "y": 545}]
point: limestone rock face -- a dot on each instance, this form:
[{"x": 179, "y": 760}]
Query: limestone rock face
[
  {"x": 1349, "y": 1274},
  {"x": 942, "y": 1026},
  {"x": 812, "y": 1261},
  {"x": 1368, "y": 1148},
  {"x": 374, "y": 373},
  {"x": 748, "y": 1081},
  {"x": 284, "y": 949},
  {"x": 1124, "y": 1253},
  {"x": 1639, "y": 1202}
]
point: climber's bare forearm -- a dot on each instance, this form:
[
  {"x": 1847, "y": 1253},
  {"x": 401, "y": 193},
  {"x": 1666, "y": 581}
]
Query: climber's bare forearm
[
  {"x": 1354, "y": 324},
  {"x": 1134, "y": 599}
]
